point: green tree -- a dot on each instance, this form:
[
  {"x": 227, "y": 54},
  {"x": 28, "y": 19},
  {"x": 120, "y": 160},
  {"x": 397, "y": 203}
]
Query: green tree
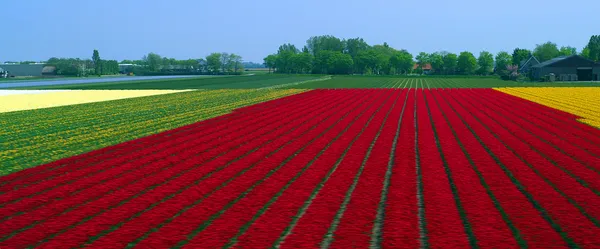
[
  {"x": 213, "y": 62},
  {"x": 270, "y": 62},
  {"x": 366, "y": 61},
  {"x": 467, "y": 63},
  {"x": 402, "y": 61},
  {"x": 154, "y": 61},
  {"x": 341, "y": 63},
  {"x": 354, "y": 46},
  {"x": 520, "y": 55},
  {"x": 437, "y": 62},
  {"x": 97, "y": 64},
  {"x": 503, "y": 59},
  {"x": 546, "y": 51},
  {"x": 316, "y": 44},
  {"x": 302, "y": 62},
  {"x": 285, "y": 58},
  {"x": 566, "y": 51},
  {"x": 422, "y": 59},
  {"x": 450, "y": 61},
  {"x": 592, "y": 50},
  {"x": 383, "y": 54},
  {"x": 485, "y": 62},
  {"x": 586, "y": 53},
  {"x": 236, "y": 60}
]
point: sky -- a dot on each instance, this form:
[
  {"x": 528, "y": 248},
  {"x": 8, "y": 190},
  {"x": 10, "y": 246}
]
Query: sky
[{"x": 182, "y": 29}]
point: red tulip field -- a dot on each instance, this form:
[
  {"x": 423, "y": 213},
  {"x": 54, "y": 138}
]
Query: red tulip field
[{"x": 347, "y": 168}]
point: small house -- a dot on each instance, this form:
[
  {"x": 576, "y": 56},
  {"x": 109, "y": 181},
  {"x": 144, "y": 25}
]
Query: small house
[{"x": 426, "y": 68}]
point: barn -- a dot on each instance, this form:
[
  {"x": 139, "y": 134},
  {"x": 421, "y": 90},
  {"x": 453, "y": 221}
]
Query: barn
[
  {"x": 27, "y": 70},
  {"x": 567, "y": 68}
]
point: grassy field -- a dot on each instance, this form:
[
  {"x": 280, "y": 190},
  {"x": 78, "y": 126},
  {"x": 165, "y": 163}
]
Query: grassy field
[
  {"x": 310, "y": 82},
  {"x": 426, "y": 82},
  {"x": 226, "y": 82}
]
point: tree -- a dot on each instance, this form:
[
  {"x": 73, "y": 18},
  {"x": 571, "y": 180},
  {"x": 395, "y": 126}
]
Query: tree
[
  {"x": 340, "y": 63},
  {"x": 520, "y": 55},
  {"x": 383, "y": 54},
  {"x": 97, "y": 64},
  {"x": 285, "y": 54},
  {"x": 422, "y": 59},
  {"x": 270, "y": 61},
  {"x": 213, "y": 62},
  {"x": 437, "y": 62},
  {"x": 586, "y": 53},
  {"x": 302, "y": 62},
  {"x": 154, "y": 61},
  {"x": 226, "y": 63},
  {"x": 236, "y": 60},
  {"x": 402, "y": 61},
  {"x": 546, "y": 51},
  {"x": 466, "y": 63},
  {"x": 450, "y": 61},
  {"x": 503, "y": 59},
  {"x": 485, "y": 62},
  {"x": 354, "y": 46},
  {"x": 592, "y": 50},
  {"x": 566, "y": 51},
  {"x": 366, "y": 61},
  {"x": 316, "y": 44}
]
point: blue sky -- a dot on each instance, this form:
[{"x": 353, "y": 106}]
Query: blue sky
[{"x": 128, "y": 29}]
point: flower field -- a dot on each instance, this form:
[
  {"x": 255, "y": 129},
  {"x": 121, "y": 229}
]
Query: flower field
[
  {"x": 20, "y": 100},
  {"x": 581, "y": 101},
  {"x": 351, "y": 168},
  {"x": 32, "y": 137}
]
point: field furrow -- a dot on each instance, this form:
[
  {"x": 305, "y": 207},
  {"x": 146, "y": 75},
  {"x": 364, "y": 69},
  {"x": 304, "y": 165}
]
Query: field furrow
[{"x": 415, "y": 165}]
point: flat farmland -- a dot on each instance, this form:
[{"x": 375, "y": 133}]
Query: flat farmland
[
  {"x": 216, "y": 82},
  {"x": 416, "y": 167},
  {"x": 356, "y": 81}
]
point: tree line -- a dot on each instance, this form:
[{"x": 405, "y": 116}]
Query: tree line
[
  {"x": 331, "y": 55},
  {"x": 150, "y": 64},
  {"x": 84, "y": 67},
  {"x": 215, "y": 63}
]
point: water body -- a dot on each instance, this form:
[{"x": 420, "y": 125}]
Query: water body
[{"x": 87, "y": 81}]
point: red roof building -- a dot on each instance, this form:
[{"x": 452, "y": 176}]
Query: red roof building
[{"x": 426, "y": 67}]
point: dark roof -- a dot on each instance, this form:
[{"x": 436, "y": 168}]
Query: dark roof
[
  {"x": 524, "y": 62},
  {"x": 552, "y": 61},
  {"x": 23, "y": 69}
]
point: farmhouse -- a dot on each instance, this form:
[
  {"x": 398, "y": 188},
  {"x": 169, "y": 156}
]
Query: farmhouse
[
  {"x": 426, "y": 68},
  {"x": 24, "y": 70},
  {"x": 567, "y": 68},
  {"x": 525, "y": 65}
]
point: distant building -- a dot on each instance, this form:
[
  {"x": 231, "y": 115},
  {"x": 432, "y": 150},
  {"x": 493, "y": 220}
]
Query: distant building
[
  {"x": 426, "y": 68},
  {"x": 525, "y": 65},
  {"x": 26, "y": 70},
  {"x": 567, "y": 68}
]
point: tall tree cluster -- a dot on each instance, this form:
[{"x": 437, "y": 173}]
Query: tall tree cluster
[
  {"x": 592, "y": 50},
  {"x": 331, "y": 55},
  {"x": 84, "y": 67},
  {"x": 222, "y": 63}
]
